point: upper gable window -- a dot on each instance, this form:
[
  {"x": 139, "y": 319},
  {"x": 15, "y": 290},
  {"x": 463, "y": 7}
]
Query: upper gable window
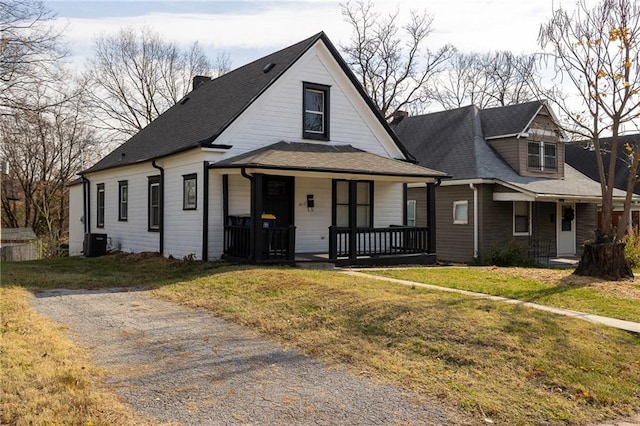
[
  {"x": 315, "y": 111},
  {"x": 542, "y": 156}
]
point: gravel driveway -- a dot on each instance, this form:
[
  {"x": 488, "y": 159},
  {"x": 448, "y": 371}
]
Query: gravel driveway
[{"x": 183, "y": 365}]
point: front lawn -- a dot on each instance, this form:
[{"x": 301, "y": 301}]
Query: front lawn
[
  {"x": 506, "y": 363},
  {"x": 553, "y": 287}
]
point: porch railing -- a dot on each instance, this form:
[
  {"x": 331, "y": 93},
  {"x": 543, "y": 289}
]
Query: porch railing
[
  {"x": 344, "y": 242},
  {"x": 277, "y": 243}
]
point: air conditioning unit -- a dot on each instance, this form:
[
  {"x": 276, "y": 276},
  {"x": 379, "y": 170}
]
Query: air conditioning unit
[{"x": 94, "y": 245}]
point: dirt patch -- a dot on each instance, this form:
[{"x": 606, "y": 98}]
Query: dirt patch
[{"x": 626, "y": 288}]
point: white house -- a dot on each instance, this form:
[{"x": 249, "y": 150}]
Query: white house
[{"x": 279, "y": 159}]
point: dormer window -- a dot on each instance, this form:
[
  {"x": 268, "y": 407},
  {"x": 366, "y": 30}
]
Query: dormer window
[
  {"x": 542, "y": 156},
  {"x": 315, "y": 111}
]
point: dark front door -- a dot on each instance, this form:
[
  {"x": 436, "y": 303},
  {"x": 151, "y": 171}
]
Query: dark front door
[{"x": 278, "y": 199}]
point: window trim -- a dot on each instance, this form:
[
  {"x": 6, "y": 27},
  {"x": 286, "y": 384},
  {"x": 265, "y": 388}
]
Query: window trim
[
  {"x": 529, "y": 217},
  {"x": 306, "y": 134},
  {"x": 185, "y": 202},
  {"x": 100, "y": 204},
  {"x": 123, "y": 203},
  {"x": 154, "y": 182},
  {"x": 461, "y": 203}
]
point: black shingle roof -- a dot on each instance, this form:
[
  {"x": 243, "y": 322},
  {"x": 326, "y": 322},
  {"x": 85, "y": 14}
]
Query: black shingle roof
[
  {"x": 508, "y": 120},
  {"x": 454, "y": 141},
  {"x": 206, "y": 112}
]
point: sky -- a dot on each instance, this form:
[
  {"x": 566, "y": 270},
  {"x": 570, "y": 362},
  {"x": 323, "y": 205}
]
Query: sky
[{"x": 246, "y": 30}]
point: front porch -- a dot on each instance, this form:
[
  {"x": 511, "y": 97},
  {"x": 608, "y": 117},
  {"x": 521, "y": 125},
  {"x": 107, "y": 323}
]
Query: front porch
[
  {"x": 358, "y": 246},
  {"x": 346, "y": 205}
]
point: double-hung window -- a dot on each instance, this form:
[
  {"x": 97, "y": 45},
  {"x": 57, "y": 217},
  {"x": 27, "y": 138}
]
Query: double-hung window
[
  {"x": 315, "y": 111},
  {"x": 189, "y": 192},
  {"x": 100, "y": 206},
  {"x": 542, "y": 156},
  {"x": 155, "y": 199},
  {"x": 123, "y": 200},
  {"x": 521, "y": 218}
]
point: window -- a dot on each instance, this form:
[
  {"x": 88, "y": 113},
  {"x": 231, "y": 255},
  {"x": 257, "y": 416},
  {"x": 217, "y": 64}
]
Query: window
[
  {"x": 100, "y": 209},
  {"x": 521, "y": 218},
  {"x": 460, "y": 212},
  {"x": 411, "y": 212},
  {"x": 363, "y": 203},
  {"x": 542, "y": 156},
  {"x": 342, "y": 203},
  {"x": 154, "y": 203},
  {"x": 189, "y": 192},
  {"x": 315, "y": 111},
  {"x": 123, "y": 196}
]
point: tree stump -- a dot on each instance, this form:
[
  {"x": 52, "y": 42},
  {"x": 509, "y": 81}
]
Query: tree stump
[{"x": 604, "y": 260}]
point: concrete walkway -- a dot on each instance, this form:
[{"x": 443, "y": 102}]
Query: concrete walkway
[{"x": 610, "y": 322}]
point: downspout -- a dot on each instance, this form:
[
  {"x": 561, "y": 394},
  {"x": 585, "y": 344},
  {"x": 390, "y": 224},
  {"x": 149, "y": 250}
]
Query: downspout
[
  {"x": 205, "y": 211},
  {"x": 475, "y": 220},
  {"x": 155, "y": 166},
  {"x": 86, "y": 203}
]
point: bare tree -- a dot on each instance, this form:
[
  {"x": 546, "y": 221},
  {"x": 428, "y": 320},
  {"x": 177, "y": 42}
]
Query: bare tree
[
  {"x": 394, "y": 70},
  {"x": 44, "y": 145},
  {"x": 597, "y": 51},
  {"x": 485, "y": 80},
  {"x": 30, "y": 49},
  {"x": 136, "y": 75}
]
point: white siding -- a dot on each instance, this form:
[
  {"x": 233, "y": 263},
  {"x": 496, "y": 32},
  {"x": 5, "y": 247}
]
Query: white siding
[
  {"x": 76, "y": 220},
  {"x": 277, "y": 114},
  {"x": 239, "y": 195},
  {"x": 387, "y": 204},
  {"x": 182, "y": 228},
  {"x": 312, "y": 225},
  {"x": 216, "y": 216}
]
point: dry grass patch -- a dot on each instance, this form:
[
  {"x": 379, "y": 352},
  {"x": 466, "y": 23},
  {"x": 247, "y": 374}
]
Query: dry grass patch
[
  {"x": 45, "y": 378},
  {"x": 509, "y": 363}
]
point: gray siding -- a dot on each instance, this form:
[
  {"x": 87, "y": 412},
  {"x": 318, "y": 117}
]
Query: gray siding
[
  {"x": 496, "y": 219},
  {"x": 510, "y": 150},
  {"x": 454, "y": 242},
  {"x": 420, "y": 195}
]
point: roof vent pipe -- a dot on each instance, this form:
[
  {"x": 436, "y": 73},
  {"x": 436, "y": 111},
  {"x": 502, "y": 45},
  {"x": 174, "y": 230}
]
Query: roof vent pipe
[{"x": 199, "y": 80}]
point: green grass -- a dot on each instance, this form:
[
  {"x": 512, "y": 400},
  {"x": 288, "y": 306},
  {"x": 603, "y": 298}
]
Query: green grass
[
  {"x": 548, "y": 287},
  {"x": 509, "y": 363}
]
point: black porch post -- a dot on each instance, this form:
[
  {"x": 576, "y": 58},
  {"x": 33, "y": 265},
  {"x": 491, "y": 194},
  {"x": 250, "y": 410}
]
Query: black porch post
[
  {"x": 353, "y": 218},
  {"x": 256, "y": 216},
  {"x": 431, "y": 217}
]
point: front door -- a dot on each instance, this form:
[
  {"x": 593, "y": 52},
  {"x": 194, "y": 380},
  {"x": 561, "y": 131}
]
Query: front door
[
  {"x": 278, "y": 199},
  {"x": 566, "y": 229}
]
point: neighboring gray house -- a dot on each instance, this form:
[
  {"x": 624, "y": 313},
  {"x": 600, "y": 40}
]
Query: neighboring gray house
[
  {"x": 583, "y": 158},
  {"x": 510, "y": 181},
  {"x": 283, "y": 158}
]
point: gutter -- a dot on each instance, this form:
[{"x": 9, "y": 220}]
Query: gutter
[
  {"x": 475, "y": 220},
  {"x": 161, "y": 244}
]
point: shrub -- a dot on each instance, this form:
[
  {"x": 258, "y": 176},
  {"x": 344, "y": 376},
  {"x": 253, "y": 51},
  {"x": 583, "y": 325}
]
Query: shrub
[
  {"x": 632, "y": 248},
  {"x": 511, "y": 254}
]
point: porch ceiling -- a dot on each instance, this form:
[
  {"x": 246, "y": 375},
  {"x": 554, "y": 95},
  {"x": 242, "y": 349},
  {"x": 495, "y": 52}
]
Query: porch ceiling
[{"x": 318, "y": 160}]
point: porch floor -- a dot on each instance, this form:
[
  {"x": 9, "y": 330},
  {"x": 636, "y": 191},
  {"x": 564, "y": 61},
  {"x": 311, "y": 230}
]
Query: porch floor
[{"x": 564, "y": 262}]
